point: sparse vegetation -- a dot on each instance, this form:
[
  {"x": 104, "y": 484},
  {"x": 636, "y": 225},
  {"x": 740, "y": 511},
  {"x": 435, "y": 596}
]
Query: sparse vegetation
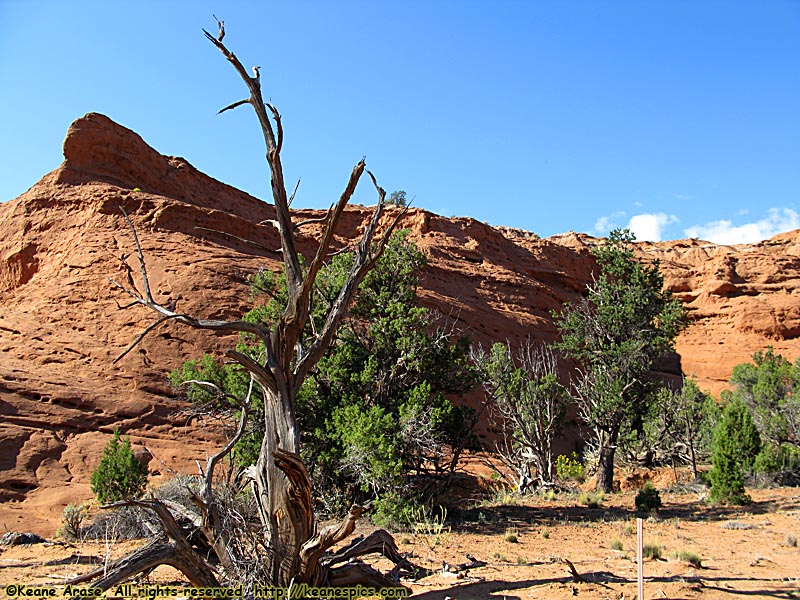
[
  {"x": 591, "y": 500},
  {"x": 652, "y": 551},
  {"x": 677, "y": 429},
  {"x": 500, "y": 557},
  {"x": 616, "y": 545},
  {"x": 687, "y": 557},
  {"x": 736, "y": 525},
  {"x": 429, "y": 525},
  {"x": 511, "y": 536},
  {"x": 548, "y": 494}
]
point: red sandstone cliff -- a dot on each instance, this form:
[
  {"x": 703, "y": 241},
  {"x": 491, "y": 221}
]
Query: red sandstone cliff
[{"x": 60, "y": 325}]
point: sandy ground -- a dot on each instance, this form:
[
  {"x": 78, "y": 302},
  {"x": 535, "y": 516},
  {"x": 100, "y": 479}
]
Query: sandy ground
[{"x": 748, "y": 552}]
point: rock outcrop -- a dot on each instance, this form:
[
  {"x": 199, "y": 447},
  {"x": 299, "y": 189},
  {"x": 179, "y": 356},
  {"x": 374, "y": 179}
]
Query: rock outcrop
[{"x": 61, "y": 326}]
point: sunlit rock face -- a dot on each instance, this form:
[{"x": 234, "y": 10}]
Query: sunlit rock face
[{"x": 61, "y": 327}]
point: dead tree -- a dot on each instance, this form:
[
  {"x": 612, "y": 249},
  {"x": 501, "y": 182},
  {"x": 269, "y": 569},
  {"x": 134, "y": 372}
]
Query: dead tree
[{"x": 289, "y": 547}]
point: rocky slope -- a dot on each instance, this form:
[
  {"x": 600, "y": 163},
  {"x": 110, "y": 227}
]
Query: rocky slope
[{"x": 61, "y": 325}]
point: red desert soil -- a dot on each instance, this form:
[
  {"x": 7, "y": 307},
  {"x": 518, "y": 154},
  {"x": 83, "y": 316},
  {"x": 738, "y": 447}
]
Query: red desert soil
[
  {"x": 743, "y": 552},
  {"x": 61, "y": 395}
]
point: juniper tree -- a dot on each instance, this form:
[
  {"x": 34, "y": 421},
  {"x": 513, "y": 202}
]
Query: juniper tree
[
  {"x": 119, "y": 475},
  {"x": 626, "y": 321},
  {"x": 528, "y": 405},
  {"x": 736, "y": 445}
]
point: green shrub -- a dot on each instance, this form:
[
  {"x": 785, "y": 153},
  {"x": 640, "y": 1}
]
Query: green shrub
[
  {"x": 736, "y": 442},
  {"x": 119, "y": 475},
  {"x": 775, "y": 459},
  {"x": 648, "y": 500},
  {"x": 393, "y": 511},
  {"x": 651, "y": 551}
]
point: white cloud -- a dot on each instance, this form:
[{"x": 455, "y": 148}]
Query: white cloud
[
  {"x": 725, "y": 232},
  {"x": 650, "y": 226},
  {"x": 604, "y": 225}
]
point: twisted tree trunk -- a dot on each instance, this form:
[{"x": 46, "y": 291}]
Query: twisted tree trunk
[{"x": 287, "y": 544}]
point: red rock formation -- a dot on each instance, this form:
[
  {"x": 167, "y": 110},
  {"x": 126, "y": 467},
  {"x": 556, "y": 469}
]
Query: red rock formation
[{"x": 60, "y": 325}]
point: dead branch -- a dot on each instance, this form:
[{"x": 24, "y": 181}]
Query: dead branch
[
  {"x": 285, "y": 551},
  {"x": 233, "y": 105},
  {"x": 576, "y": 577},
  {"x": 141, "y": 336},
  {"x": 294, "y": 191},
  {"x": 221, "y": 26}
]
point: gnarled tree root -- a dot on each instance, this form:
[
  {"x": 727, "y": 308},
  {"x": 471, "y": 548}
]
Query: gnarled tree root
[
  {"x": 338, "y": 569},
  {"x": 153, "y": 554}
]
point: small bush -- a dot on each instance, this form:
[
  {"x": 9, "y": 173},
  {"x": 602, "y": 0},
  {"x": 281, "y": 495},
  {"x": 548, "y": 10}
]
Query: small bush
[
  {"x": 651, "y": 551},
  {"x": 546, "y": 534},
  {"x": 790, "y": 540},
  {"x": 119, "y": 475},
  {"x": 616, "y": 545},
  {"x": 570, "y": 468},
  {"x": 688, "y": 557},
  {"x": 777, "y": 465},
  {"x": 72, "y": 521},
  {"x": 123, "y": 523},
  {"x": 510, "y": 536},
  {"x": 591, "y": 500},
  {"x": 500, "y": 557},
  {"x": 648, "y": 500},
  {"x": 428, "y": 525}
]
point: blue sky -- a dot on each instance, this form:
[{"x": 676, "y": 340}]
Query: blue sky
[{"x": 675, "y": 118}]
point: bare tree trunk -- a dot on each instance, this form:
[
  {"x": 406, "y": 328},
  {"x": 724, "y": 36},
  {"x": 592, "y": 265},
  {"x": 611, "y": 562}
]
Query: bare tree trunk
[
  {"x": 286, "y": 543},
  {"x": 692, "y": 455}
]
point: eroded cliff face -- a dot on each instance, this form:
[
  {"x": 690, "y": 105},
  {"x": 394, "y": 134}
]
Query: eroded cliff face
[
  {"x": 61, "y": 395},
  {"x": 739, "y": 299}
]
